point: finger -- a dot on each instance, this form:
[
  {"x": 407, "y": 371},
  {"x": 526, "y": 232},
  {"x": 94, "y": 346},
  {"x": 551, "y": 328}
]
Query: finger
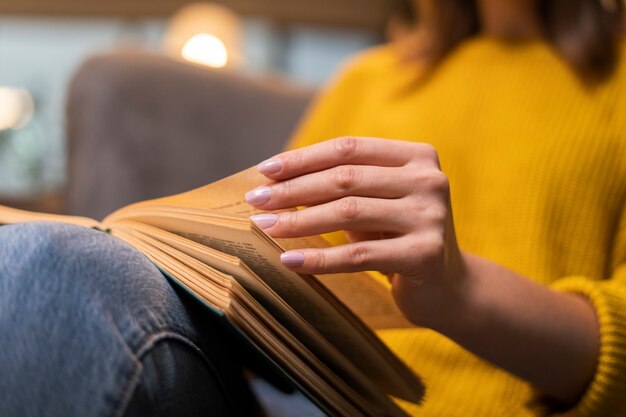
[
  {"x": 345, "y": 151},
  {"x": 333, "y": 184},
  {"x": 350, "y": 213},
  {"x": 380, "y": 255}
]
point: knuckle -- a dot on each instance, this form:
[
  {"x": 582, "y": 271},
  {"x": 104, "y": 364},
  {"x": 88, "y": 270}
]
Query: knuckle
[
  {"x": 346, "y": 178},
  {"x": 346, "y": 147},
  {"x": 320, "y": 263},
  {"x": 432, "y": 247},
  {"x": 289, "y": 222},
  {"x": 436, "y": 180},
  {"x": 415, "y": 203},
  {"x": 442, "y": 188},
  {"x": 438, "y": 214},
  {"x": 347, "y": 208},
  {"x": 442, "y": 183},
  {"x": 285, "y": 189},
  {"x": 358, "y": 256},
  {"x": 431, "y": 179},
  {"x": 418, "y": 177},
  {"x": 294, "y": 161},
  {"x": 427, "y": 151}
]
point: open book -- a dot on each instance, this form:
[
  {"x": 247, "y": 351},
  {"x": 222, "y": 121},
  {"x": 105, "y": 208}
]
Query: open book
[{"x": 317, "y": 330}]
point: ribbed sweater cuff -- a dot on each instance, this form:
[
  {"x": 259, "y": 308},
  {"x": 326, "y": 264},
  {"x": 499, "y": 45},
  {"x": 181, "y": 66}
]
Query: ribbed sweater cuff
[{"x": 606, "y": 395}]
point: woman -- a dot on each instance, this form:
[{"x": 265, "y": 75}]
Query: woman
[{"x": 522, "y": 103}]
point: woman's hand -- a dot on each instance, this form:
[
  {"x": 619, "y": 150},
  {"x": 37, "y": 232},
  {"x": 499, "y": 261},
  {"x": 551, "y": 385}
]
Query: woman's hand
[{"x": 394, "y": 203}]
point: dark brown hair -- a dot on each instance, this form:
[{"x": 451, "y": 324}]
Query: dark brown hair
[{"x": 586, "y": 33}]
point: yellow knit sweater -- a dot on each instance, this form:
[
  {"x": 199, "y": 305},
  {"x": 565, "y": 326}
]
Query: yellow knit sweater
[{"x": 537, "y": 167}]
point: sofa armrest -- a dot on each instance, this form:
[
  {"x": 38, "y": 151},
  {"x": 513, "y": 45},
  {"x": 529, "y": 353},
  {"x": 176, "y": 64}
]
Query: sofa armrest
[{"x": 142, "y": 126}]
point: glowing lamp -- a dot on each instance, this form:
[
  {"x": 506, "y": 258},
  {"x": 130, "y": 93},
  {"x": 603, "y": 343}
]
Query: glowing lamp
[
  {"x": 205, "y": 34},
  {"x": 205, "y": 49}
]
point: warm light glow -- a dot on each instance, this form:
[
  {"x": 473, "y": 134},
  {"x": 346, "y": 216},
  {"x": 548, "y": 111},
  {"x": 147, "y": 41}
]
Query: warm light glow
[
  {"x": 16, "y": 108},
  {"x": 205, "y": 49},
  {"x": 207, "y": 34}
]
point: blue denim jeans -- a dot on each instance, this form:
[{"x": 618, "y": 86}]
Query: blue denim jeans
[{"x": 89, "y": 327}]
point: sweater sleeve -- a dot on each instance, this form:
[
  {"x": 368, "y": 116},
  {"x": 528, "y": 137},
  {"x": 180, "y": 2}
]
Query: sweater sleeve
[{"x": 606, "y": 394}]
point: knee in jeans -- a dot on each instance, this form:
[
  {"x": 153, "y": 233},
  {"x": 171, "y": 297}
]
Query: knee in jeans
[
  {"x": 52, "y": 242},
  {"x": 60, "y": 268},
  {"x": 55, "y": 254},
  {"x": 27, "y": 242}
]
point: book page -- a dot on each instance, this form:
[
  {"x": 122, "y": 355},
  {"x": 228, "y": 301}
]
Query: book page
[
  {"x": 270, "y": 301},
  {"x": 195, "y": 275},
  {"x": 227, "y": 195},
  {"x": 365, "y": 296},
  {"x": 324, "y": 312}
]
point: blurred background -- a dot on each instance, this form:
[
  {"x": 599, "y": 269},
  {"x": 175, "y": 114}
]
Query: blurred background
[{"x": 43, "y": 44}]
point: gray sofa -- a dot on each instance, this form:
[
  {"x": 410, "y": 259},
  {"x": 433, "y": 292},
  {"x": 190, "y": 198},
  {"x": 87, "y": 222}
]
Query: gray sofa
[{"x": 142, "y": 126}]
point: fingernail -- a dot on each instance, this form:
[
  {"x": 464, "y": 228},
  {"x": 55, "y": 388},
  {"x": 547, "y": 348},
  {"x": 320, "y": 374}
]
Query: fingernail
[
  {"x": 292, "y": 259},
  {"x": 259, "y": 196},
  {"x": 271, "y": 166},
  {"x": 265, "y": 220}
]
